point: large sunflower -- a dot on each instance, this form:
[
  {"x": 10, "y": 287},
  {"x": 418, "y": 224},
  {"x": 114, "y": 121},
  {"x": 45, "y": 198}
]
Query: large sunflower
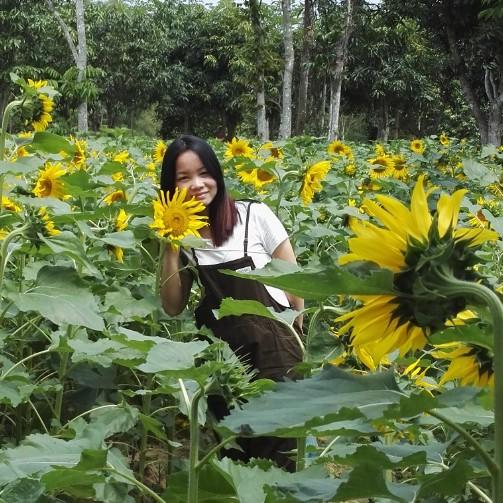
[
  {"x": 257, "y": 177},
  {"x": 10, "y": 205},
  {"x": 116, "y": 195},
  {"x": 415, "y": 243},
  {"x": 311, "y": 183},
  {"x": 176, "y": 218},
  {"x": 79, "y": 158},
  {"x": 238, "y": 148},
  {"x": 382, "y": 166},
  {"x": 49, "y": 183}
]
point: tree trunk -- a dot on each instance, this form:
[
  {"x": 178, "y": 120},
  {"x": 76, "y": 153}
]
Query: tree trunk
[
  {"x": 323, "y": 105},
  {"x": 337, "y": 71},
  {"x": 494, "y": 125},
  {"x": 305, "y": 61},
  {"x": 81, "y": 62},
  {"x": 79, "y": 53},
  {"x": 397, "y": 124},
  {"x": 285, "y": 127},
  {"x": 262, "y": 126}
]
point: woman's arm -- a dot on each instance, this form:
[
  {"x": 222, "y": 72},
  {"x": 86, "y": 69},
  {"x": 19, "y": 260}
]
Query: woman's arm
[
  {"x": 175, "y": 284},
  {"x": 284, "y": 251}
]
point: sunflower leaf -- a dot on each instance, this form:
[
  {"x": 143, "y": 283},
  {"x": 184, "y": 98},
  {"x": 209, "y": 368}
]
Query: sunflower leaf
[
  {"x": 321, "y": 283},
  {"x": 52, "y": 143}
]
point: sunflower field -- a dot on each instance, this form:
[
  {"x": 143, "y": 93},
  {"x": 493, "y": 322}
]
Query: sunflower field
[{"x": 400, "y": 263}]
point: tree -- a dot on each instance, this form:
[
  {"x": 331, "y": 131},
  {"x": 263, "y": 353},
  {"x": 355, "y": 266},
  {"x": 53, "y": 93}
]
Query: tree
[
  {"x": 79, "y": 54},
  {"x": 285, "y": 127}
]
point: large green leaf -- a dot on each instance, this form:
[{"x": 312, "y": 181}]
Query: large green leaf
[
  {"x": 123, "y": 239},
  {"x": 480, "y": 334},
  {"x": 22, "y": 166},
  {"x": 15, "y": 390},
  {"x": 321, "y": 283},
  {"x": 298, "y": 408},
  {"x": 172, "y": 356},
  {"x": 68, "y": 244},
  {"x": 25, "y": 490},
  {"x": 62, "y": 297},
  {"x": 476, "y": 171},
  {"x": 448, "y": 482},
  {"x": 122, "y": 306},
  {"x": 52, "y": 143}
]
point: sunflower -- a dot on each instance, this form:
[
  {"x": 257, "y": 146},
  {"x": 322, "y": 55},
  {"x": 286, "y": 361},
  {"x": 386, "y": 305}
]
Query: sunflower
[
  {"x": 339, "y": 148},
  {"x": 42, "y": 117},
  {"x": 350, "y": 169},
  {"x": 471, "y": 365},
  {"x": 417, "y": 146},
  {"x": 121, "y": 222},
  {"x": 49, "y": 226},
  {"x": 417, "y": 373},
  {"x": 444, "y": 140},
  {"x": 79, "y": 158},
  {"x": 176, "y": 218},
  {"x": 257, "y": 177},
  {"x": 275, "y": 152},
  {"x": 159, "y": 151},
  {"x": 49, "y": 183},
  {"x": 311, "y": 183},
  {"x": 414, "y": 241},
  {"x": 238, "y": 148},
  {"x": 382, "y": 167},
  {"x": 379, "y": 150},
  {"x": 9, "y": 205},
  {"x": 118, "y": 176},
  {"x": 116, "y": 195},
  {"x": 121, "y": 157},
  {"x": 399, "y": 170}
]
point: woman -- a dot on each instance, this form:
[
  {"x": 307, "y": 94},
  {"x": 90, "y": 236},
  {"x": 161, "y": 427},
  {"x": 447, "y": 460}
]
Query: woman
[{"x": 241, "y": 235}]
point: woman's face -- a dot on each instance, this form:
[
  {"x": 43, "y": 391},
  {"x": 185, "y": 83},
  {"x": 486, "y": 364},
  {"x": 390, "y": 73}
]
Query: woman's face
[{"x": 192, "y": 175}]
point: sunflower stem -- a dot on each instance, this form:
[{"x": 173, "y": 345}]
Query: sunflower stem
[
  {"x": 454, "y": 286},
  {"x": 5, "y": 244}
]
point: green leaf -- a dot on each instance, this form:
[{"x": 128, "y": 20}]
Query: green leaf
[
  {"x": 123, "y": 239},
  {"x": 14, "y": 390},
  {"x": 172, "y": 356},
  {"x": 25, "y": 490},
  {"x": 68, "y": 244},
  {"x": 479, "y": 334},
  {"x": 450, "y": 482},
  {"x": 478, "y": 172},
  {"x": 298, "y": 408},
  {"x": 52, "y": 143},
  {"x": 22, "y": 166},
  {"x": 232, "y": 307},
  {"x": 114, "y": 420},
  {"x": 62, "y": 297},
  {"x": 469, "y": 413},
  {"x": 321, "y": 283}
]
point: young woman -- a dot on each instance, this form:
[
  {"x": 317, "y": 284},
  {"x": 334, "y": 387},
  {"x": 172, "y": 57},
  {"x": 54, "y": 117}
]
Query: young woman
[{"x": 241, "y": 235}]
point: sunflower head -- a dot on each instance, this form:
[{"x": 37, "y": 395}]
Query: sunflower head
[
  {"x": 339, "y": 148},
  {"x": 444, "y": 140},
  {"x": 417, "y": 146},
  {"x": 10, "y": 205},
  {"x": 159, "y": 151},
  {"x": 238, "y": 148},
  {"x": 121, "y": 157},
  {"x": 48, "y": 183},
  {"x": 311, "y": 184},
  {"x": 178, "y": 217},
  {"x": 121, "y": 221},
  {"x": 116, "y": 195}
]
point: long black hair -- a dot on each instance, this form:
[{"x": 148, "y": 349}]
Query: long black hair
[{"x": 223, "y": 213}]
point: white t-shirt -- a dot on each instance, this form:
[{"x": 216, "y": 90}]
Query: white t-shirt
[{"x": 265, "y": 233}]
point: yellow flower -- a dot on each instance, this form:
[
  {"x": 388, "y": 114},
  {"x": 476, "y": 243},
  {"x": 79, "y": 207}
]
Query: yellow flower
[
  {"x": 122, "y": 156},
  {"x": 9, "y": 205},
  {"x": 238, "y": 148},
  {"x": 350, "y": 169},
  {"x": 339, "y": 148},
  {"x": 391, "y": 319},
  {"x": 382, "y": 167},
  {"x": 444, "y": 140},
  {"x": 25, "y": 134},
  {"x": 118, "y": 176},
  {"x": 43, "y": 117},
  {"x": 118, "y": 253},
  {"x": 379, "y": 150},
  {"x": 159, "y": 151},
  {"x": 152, "y": 166},
  {"x": 275, "y": 152},
  {"x": 49, "y": 183},
  {"x": 176, "y": 218},
  {"x": 37, "y": 84},
  {"x": 3, "y": 233},
  {"x": 417, "y": 146},
  {"x": 399, "y": 170},
  {"x": 257, "y": 177},
  {"x": 417, "y": 373},
  {"x": 311, "y": 183},
  {"x": 471, "y": 365},
  {"x": 121, "y": 222},
  {"x": 48, "y": 223},
  {"x": 116, "y": 195},
  {"x": 79, "y": 158}
]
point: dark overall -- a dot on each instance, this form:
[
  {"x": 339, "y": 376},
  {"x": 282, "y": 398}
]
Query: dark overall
[{"x": 265, "y": 344}]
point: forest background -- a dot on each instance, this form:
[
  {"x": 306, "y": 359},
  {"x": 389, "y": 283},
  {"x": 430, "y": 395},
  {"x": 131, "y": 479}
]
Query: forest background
[{"x": 350, "y": 69}]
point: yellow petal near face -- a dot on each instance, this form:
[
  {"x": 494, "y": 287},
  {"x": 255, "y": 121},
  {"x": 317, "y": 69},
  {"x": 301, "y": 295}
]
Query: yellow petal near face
[{"x": 419, "y": 208}]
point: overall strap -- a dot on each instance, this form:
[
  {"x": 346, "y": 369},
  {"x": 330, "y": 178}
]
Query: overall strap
[
  {"x": 195, "y": 256},
  {"x": 245, "y": 242}
]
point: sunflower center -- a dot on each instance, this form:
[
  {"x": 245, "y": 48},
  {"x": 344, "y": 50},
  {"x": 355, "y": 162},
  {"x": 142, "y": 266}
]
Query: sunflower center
[
  {"x": 46, "y": 187},
  {"x": 177, "y": 220}
]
